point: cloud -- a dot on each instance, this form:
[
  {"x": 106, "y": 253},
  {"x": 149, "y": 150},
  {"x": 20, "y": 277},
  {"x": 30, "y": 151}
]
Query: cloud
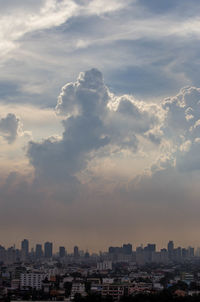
[
  {"x": 46, "y": 14},
  {"x": 86, "y": 96},
  {"x": 103, "y": 131},
  {"x": 96, "y": 33},
  {"x": 19, "y": 19},
  {"x": 181, "y": 128},
  {"x": 99, "y": 124},
  {"x": 129, "y": 212},
  {"x": 96, "y": 123},
  {"x": 10, "y": 127},
  {"x": 82, "y": 104}
]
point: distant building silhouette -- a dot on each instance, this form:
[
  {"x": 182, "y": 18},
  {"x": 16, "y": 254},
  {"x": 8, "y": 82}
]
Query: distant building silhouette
[
  {"x": 76, "y": 252},
  {"x": 38, "y": 251},
  {"x": 170, "y": 249},
  {"x": 24, "y": 249},
  {"x": 48, "y": 249},
  {"x": 62, "y": 251},
  {"x": 127, "y": 249}
]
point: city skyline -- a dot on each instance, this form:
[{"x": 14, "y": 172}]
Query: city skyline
[
  {"x": 100, "y": 122},
  {"x": 27, "y": 246}
]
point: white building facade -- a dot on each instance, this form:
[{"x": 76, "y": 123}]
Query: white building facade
[{"x": 33, "y": 280}]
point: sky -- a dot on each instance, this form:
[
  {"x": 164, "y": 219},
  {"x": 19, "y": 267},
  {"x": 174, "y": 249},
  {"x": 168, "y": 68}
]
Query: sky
[{"x": 100, "y": 122}]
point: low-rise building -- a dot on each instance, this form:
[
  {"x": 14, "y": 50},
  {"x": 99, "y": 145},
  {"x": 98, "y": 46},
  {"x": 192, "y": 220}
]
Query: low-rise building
[
  {"x": 78, "y": 288},
  {"x": 33, "y": 280}
]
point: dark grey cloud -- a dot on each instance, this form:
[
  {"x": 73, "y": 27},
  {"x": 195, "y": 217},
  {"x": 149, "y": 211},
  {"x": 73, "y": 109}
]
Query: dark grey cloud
[
  {"x": 84, "y": 103},
  {"x": 9, "y": 127}
]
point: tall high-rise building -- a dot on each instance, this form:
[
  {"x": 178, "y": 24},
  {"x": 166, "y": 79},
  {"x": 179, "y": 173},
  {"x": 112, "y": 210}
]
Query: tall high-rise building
[
  {"x": 170, "y": 249},
  {"x": 191, "y": 251},
  {"x": 76, "y": 252},
  {"x": 48, "y": 249},
  {"x": 185, "y": 253},
  {"x": 62, "y": 251},
  {"x": 149, "y": 251},
  {"x": 25, "y": 248},
  {"x": 170, "y": 246},
  {"x": 38, "y": 251}
]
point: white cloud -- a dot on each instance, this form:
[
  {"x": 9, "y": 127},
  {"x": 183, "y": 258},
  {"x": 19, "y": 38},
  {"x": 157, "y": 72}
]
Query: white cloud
[
  {"x": 15, "y": 22},
  {"x": 15, "y": 25}
]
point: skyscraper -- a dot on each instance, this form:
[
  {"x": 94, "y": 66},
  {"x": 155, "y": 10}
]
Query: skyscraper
[
  {"x": 62, "y": 251},
  {"x": 170, "y": 249},
  {"x": 38, "y": 251},
  {"x": 76, "y": 252},
  {"x": 48, "y": 249},
  {"x": 149, "y": 250},
  {"x": 170, "y": 246},
  {"x": 25, "y": 248}
]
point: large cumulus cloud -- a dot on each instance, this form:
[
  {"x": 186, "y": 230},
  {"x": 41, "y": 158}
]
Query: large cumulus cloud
[
  {"x": 98, "y": 124},
  {"x": 94, "y": 121}
]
